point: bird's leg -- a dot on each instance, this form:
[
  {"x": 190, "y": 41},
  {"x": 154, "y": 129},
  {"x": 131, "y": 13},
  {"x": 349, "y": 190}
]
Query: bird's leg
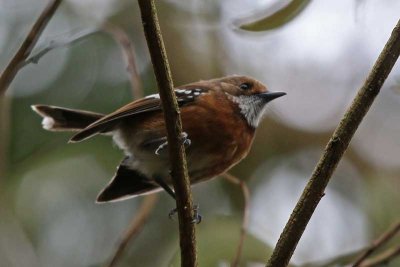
[
  {"x": 184, "y": 138},
  {"x": 196, "y": 215},
  {"x": 160, "y": 181}
]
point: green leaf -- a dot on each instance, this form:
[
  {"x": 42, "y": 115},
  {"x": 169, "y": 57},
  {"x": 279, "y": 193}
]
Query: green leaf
[{"x": 277, "y": 19}]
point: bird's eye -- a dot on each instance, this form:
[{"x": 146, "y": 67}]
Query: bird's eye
[{"x": 245, "y": 86}]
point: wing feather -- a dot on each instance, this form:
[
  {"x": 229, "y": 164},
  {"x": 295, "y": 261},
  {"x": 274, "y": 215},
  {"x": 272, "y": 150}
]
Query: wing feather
[
  {"x": 107, "y": 122},
  {"x": 144, "y": 105}
]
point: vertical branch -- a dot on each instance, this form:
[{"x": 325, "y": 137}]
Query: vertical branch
[
  {"x": 25, "y": 50},
  {"x": 173, "y": 123},
  {"x": 334, "y": 151}
]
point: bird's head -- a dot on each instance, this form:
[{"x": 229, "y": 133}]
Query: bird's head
[{"x": 250, "y": 95}]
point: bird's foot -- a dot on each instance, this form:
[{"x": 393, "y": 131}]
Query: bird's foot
[
  {"x": 172, "y": 213},
  {"x": 196, "y": 215},
  {"x": 184, "y": 139},
  {"x": 160, "y": 148}
]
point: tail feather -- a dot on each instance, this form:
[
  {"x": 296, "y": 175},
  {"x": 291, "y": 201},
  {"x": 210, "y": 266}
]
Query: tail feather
[
  {"x": 126, "y": 183},
  {"x": 63, "y": 119}
]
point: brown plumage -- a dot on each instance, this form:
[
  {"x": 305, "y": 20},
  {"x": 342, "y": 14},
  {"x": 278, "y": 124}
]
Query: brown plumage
[{"x": 219, "y": 117}]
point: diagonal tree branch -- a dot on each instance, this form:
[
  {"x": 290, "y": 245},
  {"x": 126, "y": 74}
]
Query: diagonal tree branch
[
  {"x": 53, "y": 44},
  {"x": 140, "y": 218},
  {"x": 173, "y": 123},
  {"x": 382, "y": 259},
  {"x": 116, "y": 33},
  {"x": 382, "y": 240},
  {"x": 7, "y": 76},
  {"x": 337, "y": 145}
]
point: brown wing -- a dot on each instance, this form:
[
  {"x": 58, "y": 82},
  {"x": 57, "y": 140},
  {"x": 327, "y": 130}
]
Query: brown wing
[
  {"x": 147, "y": 104},
  {"x": 107, "y": 122}
]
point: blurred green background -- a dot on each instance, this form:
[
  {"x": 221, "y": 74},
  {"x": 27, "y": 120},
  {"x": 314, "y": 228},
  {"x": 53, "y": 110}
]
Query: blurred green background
[{"x": 320, "y": 56}]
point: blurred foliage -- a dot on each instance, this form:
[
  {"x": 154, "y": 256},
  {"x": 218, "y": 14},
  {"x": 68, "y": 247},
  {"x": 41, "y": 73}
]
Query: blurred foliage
[
  {"x": 340, "y": 260},
  {"x": 277, "y": 19},
  {"x": 47, "y": 188},
  {"x": 217, "y": 243}
]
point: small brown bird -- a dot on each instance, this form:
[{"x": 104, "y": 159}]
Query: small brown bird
[{"x": 219, "y": 120}]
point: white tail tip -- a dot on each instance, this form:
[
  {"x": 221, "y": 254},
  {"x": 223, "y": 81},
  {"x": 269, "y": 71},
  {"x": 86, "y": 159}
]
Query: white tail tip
[{"x": 48, "y": 123}]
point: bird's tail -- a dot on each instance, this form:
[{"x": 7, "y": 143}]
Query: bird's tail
[
  {"x": 63, "y": 119},
  {"x": 127, "y": 183}
]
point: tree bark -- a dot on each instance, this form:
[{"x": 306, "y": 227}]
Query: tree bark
[{"x": 173, "y": 123}]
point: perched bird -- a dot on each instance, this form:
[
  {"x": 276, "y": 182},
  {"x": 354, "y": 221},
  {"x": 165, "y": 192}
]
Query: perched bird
[{"x": 219, "y": 120}]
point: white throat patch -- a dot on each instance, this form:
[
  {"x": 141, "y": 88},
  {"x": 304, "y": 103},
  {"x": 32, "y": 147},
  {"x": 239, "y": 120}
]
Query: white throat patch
[{"x": 252, "y": 108}]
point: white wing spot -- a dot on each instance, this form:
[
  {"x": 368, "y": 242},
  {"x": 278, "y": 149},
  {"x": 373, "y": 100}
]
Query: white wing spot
[
  {"x": 188, "y": 92},
  {"x": 157, "y": 96},
  {"x": 180, "y": 91},
  {"x": 196, "y": 93}
]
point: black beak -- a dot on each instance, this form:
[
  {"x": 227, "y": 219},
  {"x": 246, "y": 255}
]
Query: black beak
[{"x": 268, "y": 96}]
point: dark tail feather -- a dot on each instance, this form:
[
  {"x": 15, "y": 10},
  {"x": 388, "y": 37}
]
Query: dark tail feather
[
  {"x": 126, "y": 183},
  {"x": 63, "y": 119}
]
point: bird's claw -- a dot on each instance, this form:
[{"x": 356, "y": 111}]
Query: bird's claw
[
  {"x": 196, "y": 215},
  {"x": 161, "y": 147},
  {"x": 172, "y": 213},
  {"x": 184, "y": 139}
]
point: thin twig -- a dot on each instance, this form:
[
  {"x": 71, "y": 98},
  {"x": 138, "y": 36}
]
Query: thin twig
[
  {"x": 5, "y": 125},
  {"x": 334, "y": 150},
  {"x": 382, "y": 259},
  {"x": 128, "y": 52},
  {"x": 118, "y": 35},
  {"x": 134, "y": 228},
  {"x": 139, "y": 219},
  {"x": 180, "y": 178},
  {"x": 246, "y": 215},
  {"x": 379, "y": 242},
  {"x": 30, "y": 41},
  {"x": 57, "y": 44}
]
